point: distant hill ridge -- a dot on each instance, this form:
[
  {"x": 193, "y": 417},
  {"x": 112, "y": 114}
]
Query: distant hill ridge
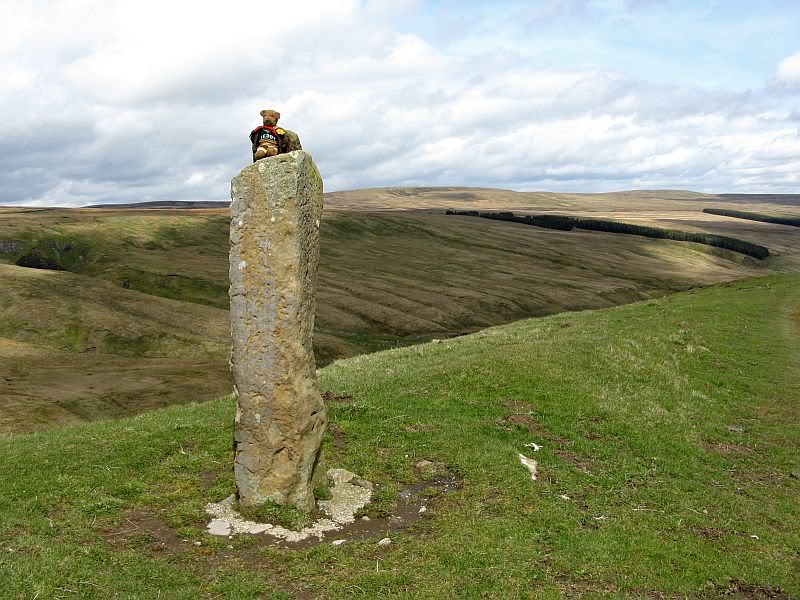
[
  {"x": 789, "y": 199},
  {"x": 166, "y": 204},
  {"x": 434, "y": 197}
]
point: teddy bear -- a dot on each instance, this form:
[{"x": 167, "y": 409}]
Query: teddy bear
[{"x": 270, "y": 140}]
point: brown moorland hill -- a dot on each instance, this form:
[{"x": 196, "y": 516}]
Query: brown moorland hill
[{"x": 139, "y": 318}]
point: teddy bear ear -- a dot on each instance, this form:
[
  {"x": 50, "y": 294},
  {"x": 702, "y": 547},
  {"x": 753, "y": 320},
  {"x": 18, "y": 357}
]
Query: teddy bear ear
[{"x": 263, "y": 112}]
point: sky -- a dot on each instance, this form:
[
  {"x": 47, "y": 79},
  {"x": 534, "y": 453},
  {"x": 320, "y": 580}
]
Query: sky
[{"x": 108, "y": 101}]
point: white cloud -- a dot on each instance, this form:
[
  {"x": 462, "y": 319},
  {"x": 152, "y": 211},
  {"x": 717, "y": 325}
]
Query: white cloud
[
  {"x": 788, "y": 73},
  {"x": 120, "y": 101}
]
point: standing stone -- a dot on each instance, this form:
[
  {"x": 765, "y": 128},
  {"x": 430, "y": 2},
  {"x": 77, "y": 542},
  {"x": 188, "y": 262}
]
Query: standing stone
[{"x": 280, "y": 416}]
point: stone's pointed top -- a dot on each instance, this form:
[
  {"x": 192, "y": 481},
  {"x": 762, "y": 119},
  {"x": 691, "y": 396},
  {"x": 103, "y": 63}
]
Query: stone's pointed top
[
  {"x": 296, "y": 156},
  {"x": 298, "y": 164}
]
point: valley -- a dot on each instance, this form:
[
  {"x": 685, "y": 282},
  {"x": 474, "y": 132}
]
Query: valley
[{"x": 145, "y": 289}]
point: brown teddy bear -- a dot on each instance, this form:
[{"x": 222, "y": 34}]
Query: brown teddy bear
[{"x": 270, "y": 140}]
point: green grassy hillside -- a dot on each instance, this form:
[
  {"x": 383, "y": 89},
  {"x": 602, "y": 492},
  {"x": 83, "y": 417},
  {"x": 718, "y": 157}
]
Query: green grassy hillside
[{"x": 668, "y": 469}]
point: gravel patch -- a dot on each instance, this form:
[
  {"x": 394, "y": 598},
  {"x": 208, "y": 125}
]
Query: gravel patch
[{"x": 349, "y": 493}]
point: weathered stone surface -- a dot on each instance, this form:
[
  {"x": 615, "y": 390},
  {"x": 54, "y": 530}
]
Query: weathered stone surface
[
  {"x": 11, "y": 246},
  {"x": 280, "y": 418},
  {"x": 219, "y": 527},
  {"x": 339, "y": 477},
  {"x": 348, "y": 493},
  {"x": 292, "y": 141}
]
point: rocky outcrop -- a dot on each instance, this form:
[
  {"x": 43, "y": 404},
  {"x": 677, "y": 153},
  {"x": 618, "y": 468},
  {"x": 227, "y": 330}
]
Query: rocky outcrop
[
  {"x": 280, "y": 416},
  {"x": 11, "y": 246}
]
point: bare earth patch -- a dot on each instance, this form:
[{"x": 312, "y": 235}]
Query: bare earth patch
[
  {"x": 747, "y": 591},
  {"x": 727, "y": 449},
  {"x": 136, "y": 524}
]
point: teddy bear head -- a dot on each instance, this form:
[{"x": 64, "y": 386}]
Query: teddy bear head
[{"x": 270, "y": 117}]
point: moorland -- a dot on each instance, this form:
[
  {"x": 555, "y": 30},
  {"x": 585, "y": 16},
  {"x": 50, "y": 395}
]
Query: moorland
[{"x": 138, "y": 317}]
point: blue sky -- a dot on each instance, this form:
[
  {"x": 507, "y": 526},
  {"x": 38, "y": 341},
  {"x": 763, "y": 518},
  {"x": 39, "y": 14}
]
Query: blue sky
[
  {"x": 153, "y": 101},
  {"x": 730, "y": 44}
]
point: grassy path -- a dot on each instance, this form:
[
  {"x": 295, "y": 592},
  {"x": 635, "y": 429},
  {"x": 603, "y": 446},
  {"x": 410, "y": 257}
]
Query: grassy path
[{"x": 668, "y": 469}]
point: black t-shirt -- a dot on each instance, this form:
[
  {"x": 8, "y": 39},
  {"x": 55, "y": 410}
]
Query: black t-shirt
[{"x": 266, "y": 136}]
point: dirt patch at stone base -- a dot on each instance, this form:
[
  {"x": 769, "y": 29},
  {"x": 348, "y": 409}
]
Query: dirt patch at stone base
[
  {"x": 138, "y": 528},
  {"x": 334, "y": 397}
]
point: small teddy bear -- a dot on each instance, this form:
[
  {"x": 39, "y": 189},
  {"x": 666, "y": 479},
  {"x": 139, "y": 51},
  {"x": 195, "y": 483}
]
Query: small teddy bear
[{"x": 270, "y": 140}]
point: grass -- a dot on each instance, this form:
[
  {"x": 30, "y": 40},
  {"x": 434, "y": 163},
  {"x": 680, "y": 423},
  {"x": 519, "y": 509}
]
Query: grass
[
  {"x": 322, "y": 492},
  {"x": 669, "y": 468},
  {"x": 270, "y": 512}
]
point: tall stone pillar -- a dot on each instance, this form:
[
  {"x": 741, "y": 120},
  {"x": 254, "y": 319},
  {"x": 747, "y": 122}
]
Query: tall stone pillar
[{"x": 274, "y": 251}]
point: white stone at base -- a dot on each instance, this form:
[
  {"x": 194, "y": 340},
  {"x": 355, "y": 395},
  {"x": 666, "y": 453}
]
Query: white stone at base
[{"x": 346, "y": 499}]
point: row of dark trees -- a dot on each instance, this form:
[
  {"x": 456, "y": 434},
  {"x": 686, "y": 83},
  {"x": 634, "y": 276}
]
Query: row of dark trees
[
  {"x": 751, "y": 216},
  {"x": 565, "y": 223}
]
